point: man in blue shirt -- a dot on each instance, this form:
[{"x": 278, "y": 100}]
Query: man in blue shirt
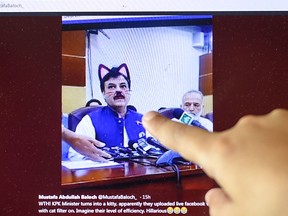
[{"x": 114, "y": 124}]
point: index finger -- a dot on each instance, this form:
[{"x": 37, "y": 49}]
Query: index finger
[
  {"x": 192, "y": 143},
  {"x": 101, "y": 153},
  {"x": 96, "y": 143}
]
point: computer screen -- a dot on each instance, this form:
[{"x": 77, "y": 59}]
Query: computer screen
[{"x": 249, "y": 77}]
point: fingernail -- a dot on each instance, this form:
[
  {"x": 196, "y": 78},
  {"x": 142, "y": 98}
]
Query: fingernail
[{"x": 148, "y": 116}]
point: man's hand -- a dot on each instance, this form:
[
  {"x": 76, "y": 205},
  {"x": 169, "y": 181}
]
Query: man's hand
[
  {"x": 85, "y": 145},
  {"x": 248, "y": 161}
]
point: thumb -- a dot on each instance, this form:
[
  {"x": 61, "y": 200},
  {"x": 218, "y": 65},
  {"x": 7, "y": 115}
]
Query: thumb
[{"x": 218, "y": 201}]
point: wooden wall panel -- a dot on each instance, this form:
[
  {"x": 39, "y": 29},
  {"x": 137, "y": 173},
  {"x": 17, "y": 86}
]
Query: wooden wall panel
[
  {"x": 73, "y": 58},
  {"x": 206, "y": 74},
  {"x": 205, "y": 84},
  {"x": 73, "y": 43},
  {"x": 73, "y": 71}
]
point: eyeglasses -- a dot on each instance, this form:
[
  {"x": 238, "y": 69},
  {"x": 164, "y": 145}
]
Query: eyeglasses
[{"x": 196, "y": 105}]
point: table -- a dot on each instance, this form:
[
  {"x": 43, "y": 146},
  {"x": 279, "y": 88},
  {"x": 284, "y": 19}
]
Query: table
[
  {"x": 147, "y": 183},
  {"x": 134, "y": 172}
]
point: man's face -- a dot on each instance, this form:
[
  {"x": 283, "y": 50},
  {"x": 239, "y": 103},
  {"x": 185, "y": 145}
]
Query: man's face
[
  {"x": 116, "y": 92},
  {"x": 192, "y": 104}
]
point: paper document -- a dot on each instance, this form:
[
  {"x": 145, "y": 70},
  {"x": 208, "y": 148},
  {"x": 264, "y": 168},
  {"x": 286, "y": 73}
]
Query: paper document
[{"x": 83, "y": 164}]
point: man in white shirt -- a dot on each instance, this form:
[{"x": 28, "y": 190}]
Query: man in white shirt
[{"x": 192, "y": 103}]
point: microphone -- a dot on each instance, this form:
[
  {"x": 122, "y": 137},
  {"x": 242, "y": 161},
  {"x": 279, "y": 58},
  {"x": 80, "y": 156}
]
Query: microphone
[
  {"x": 124, "y": 150},
  {"x": 186, "y": 118},
  {"x": 156, "y": 144},
  {"x": 144, "y": 145},
  {"x": 134, "y": 145},
  {"x": 142, "y": 142},
  {"x": 183, "y": 116},
  {"x": 150, "y": 149}
]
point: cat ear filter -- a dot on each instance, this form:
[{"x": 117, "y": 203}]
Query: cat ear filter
[
  {"x": 102, "y": 71},
  {"x": 105, "y": 73},
  {"x": 123, "y": 69}
]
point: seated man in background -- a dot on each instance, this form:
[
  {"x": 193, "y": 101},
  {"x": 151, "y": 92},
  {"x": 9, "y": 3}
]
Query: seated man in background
[
  {"x": 192, "y": 103},
  {"x": 93, "y": 102},
  {"x": 114, "y": 124}
]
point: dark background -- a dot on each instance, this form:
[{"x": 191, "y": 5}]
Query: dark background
[{"x": 249, "y": 77}]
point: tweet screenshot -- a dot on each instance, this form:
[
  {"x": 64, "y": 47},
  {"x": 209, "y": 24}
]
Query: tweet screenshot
[{"x": 114, "y": 70}]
